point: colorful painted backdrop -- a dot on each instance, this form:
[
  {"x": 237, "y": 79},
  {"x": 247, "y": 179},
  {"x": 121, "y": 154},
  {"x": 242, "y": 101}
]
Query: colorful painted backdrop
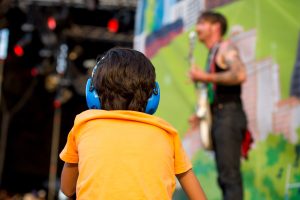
[{"x": 267, "y": 35}]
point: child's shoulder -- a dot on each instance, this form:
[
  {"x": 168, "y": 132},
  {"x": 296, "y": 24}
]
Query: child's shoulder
[{"x": 125, "y": 115}]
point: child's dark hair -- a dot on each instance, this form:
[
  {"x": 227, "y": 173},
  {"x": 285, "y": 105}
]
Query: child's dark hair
[
  {"x": 124, "y": 80},
  {"x": 214, "y": 17}
]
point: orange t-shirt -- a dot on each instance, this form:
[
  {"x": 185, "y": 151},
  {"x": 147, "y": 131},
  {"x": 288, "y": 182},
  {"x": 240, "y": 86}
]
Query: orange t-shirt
[{"x": 124, "y": 155}]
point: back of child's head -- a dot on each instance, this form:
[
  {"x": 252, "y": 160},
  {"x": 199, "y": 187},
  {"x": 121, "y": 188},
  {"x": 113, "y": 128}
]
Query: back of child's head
[{"x": 124, "y": 79}]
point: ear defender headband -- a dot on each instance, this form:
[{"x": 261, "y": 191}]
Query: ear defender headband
[{"x": 93, "y": 100}]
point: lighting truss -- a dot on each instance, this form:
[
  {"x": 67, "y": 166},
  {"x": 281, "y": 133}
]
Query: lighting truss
[{"x": 103, "y": 4}]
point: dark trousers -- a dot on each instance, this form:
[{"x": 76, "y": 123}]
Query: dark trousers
[{"x": 228, "y": 129}]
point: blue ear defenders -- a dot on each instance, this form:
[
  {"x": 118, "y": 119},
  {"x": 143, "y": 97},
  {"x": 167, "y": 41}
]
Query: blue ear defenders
[
  {"x": 153, "y": 101},
  {"x": 93, "y": 100}
]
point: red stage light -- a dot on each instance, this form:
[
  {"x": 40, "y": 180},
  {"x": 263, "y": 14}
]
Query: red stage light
[
  {"x": 113, "y": 25},
  {"x": 19, "y": 50},
  {"x": 51, "y": 22},
  {"x": 34, "y": 72}
]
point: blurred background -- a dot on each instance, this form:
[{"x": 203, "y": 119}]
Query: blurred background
[{"x": 47, "y": 51}]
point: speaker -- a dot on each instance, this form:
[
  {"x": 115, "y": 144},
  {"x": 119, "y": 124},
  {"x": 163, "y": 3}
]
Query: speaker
[{"x": 93, "y": 100}]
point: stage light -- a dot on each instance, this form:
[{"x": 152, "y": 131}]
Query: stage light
[
  {"x": 21, "y": 44},
  {"x": 34, "y": 72},
  {"x": 19, "y": 51},
  {"x": 120, "y": 22},
  {"x": 4, "y": 37},
  {"x": 51, "y": 22},
  {"x": 113, "y": 25}
]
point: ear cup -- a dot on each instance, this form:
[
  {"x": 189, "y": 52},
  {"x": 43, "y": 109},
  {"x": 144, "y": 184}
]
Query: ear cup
[
  {"x": 92, "y": 98},
  {"x": 153, "y": 101}
]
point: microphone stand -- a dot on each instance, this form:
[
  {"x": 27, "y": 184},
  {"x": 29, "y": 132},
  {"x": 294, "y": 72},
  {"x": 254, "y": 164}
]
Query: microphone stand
[
  {"x": 54, "y": 150},
  {"x": 63, "y": 95}
]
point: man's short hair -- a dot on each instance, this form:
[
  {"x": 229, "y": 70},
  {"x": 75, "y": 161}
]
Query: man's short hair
[
  {"x": 214, "y": 17},
  {"x": 124, "y": 80}
]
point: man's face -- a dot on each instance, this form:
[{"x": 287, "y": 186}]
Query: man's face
[{"x": 204, "y": 29}]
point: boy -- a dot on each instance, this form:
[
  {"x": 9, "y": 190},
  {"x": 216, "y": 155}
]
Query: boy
[{"x": 119, "y": 151}]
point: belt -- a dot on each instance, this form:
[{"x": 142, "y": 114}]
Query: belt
[
  {"x": 223, "y": 101},
  {"x": 227, "y": 98}
]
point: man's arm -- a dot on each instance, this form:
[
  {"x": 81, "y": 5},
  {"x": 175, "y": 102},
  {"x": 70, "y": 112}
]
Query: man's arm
[
  {"x": 191, "y": 185},
  {"x": 235, "y": 74},
  {"x": 69, "y": 177}
]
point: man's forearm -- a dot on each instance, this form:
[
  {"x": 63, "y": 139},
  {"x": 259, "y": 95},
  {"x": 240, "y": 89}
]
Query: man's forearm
[{"x": 226, "y": 78}]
